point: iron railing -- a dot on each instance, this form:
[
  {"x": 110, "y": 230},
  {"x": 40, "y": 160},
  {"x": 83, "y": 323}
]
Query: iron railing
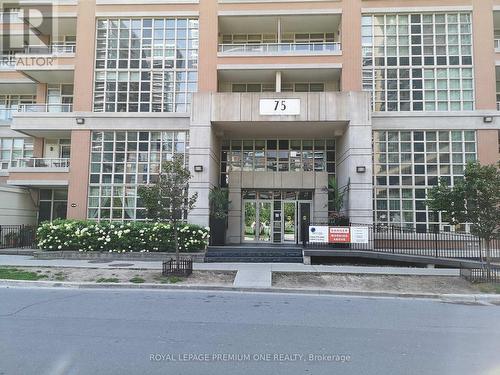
[
  {"x": 184, "y": 268},
  {"x": 45, "y": 107},
  {"x": 277, "y": 48},
  {"x": 408, "y": 241},
  {"x": 52, "y": 49},
  {"x": 17, "y": 236},
  {"x": 479, "y": 275},
  {"x": 56, "y": 163}
]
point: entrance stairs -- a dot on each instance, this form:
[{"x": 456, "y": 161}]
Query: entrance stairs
[{"x": 254, "y": 254}]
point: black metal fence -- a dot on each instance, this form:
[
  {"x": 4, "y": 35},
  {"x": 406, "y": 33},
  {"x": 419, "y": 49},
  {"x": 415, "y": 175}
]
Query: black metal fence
[
  {"x": 17, "y": 236},
  {"x": 483, "y": 274},
  {"x": 398, "y": 240},
  {"x": 184, "y": 268}
]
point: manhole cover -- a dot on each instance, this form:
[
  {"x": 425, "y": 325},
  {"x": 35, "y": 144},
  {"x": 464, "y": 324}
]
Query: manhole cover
[
  {"x": 100, "y": 261},
  {"x": 121, "y": 265}
]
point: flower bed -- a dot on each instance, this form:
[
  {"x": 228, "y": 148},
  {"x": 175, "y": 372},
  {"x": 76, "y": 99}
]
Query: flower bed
[{"x": 84, "y": 235}]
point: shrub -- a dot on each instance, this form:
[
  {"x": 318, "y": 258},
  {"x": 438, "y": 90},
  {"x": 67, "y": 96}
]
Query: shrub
[{"x": 83, "y": 235}]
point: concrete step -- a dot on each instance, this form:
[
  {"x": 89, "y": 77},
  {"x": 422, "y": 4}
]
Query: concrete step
[
  {"x": 254, "y": 253},
  {"x": 243, "y": 259}
]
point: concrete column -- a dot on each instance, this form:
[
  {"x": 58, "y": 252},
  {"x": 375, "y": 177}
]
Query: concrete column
[
  {"x": 487, "y": 146},
  {"x": 79, "y": 174},
  {"x": 38, "y": 147},
  {"x": 484, "y": 54},
  {"x": 203, "y": 150},
  {"x": 354, "y": 148},
  {"x": 351, "y": 45},
  {"x": 85, "y": 51},
  {"x": 41, "y": 93},
  {"x": 278, "y": 81},
  {"x": 208, "y": 45}
]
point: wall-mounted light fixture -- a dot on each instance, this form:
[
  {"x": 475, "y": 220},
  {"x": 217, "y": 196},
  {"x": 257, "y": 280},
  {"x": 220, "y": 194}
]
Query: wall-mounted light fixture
[
  {"x": 198, "y": 168},
  {"x": 73, "y": 205},
  {"x": 488, "y": 119},
  {"x": 80, "y": 120},
  {"x": 360, "y": 169}
]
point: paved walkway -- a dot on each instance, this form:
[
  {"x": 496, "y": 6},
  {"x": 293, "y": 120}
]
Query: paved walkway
[{"x": 248, "y": 274}]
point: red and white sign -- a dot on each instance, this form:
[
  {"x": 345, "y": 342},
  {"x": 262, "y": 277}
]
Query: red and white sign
[{"x": 339, "y": 235}]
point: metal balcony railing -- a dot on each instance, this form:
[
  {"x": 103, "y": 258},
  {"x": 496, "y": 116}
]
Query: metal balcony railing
[
  {"x": 56, "y": 163},
  {"x": 53, "y": 49},
  {"x": 45, "y": 107},
  {"x": 277, "y": 48}
]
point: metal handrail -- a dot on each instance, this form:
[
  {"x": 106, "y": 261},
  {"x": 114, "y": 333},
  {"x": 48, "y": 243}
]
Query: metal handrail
[
  {"x": 53, "y": 49},
  {"x": 271, "y": 48},
  {"x": 40, "y": 163},
  {"x": 45, "y": 107}
]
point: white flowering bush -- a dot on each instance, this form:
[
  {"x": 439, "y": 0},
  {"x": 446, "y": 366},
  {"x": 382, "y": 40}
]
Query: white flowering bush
[{"x": 82, "y": 235}]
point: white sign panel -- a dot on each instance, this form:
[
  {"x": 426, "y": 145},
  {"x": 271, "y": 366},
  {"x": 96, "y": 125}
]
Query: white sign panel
[
  {"x": 318, "y": 234},
  {"x": 359, "y": 234},
  {"x": 279, "y": 107}
]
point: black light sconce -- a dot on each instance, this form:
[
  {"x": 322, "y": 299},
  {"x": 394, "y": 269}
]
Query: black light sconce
[
  {"x": 198, "y": 168},
  {"x": 488, "y": 119},
  {"x": 80, "y": 120},
  {"x": 360, "y": 169}
]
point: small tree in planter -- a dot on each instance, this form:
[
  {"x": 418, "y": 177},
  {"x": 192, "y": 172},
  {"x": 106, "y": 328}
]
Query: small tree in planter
[
  {"x": 336, "y": 202},
  {"x": 219, "y": 207},
  {"x": 168, "y": 199}
]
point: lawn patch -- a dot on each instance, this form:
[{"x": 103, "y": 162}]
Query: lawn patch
[
  {"x": 107, "y": 280},
  {"x": 137, "y": 280},
  {"x": 17, "y": 274}
]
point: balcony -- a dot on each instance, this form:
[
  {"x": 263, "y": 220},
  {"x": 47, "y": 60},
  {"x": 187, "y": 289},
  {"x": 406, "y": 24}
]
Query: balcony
[
  {"x": 497, "y": 45},
  {"x": 45, "y": 108},
  {"x": 280, "y": 48},
  {"x": 6, "y": 114},
  {"x": 52, "y": 49},
  {"x": 39, "y": 172},
  {"x": 40, "y": 163}
]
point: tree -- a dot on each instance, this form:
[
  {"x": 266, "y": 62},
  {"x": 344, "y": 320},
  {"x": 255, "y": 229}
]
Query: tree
[
  {"x": 475, "y": 199},
  {"x": 168, "y": 199},
  {"x": 336, "y": 196}
]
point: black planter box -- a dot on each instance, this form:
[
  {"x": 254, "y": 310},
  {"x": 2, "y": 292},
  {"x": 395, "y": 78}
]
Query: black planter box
[{"x": 217, "y": 231}]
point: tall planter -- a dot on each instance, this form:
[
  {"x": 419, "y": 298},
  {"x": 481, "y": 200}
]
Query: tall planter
[
  {"x": 217, "y": 231},
  {"x": 219, "y": 207}
]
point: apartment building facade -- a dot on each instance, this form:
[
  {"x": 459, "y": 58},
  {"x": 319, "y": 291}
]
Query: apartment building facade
[{"x": 270, "y": 99}]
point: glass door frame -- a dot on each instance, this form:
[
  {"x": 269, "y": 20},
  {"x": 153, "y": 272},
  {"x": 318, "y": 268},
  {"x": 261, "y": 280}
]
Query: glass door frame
[{"x": 256, "y": 236}]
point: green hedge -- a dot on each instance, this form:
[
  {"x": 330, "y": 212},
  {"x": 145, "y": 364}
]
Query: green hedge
[{"x": 139, "y": 236}]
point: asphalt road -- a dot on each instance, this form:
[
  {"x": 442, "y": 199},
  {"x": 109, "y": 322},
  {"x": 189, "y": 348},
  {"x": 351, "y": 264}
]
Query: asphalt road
[{"x": 63, "y": 331}]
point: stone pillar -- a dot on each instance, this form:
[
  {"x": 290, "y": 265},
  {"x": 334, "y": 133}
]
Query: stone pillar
[
  {"x": 79, "y": 174},
  {"x": 484, "y": 54},
  {"x": 203, "y": 151},
  {"x": 208, "y": 45},
  {"x": 351, "y": 45},
  {"x": 85, "y": 51},
  {"x": 354, "y": 148}
]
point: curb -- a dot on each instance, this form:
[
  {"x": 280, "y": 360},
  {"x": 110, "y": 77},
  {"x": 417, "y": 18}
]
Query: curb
[{"x": 464, "y": 298}]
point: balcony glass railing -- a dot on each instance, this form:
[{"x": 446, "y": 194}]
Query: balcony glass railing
[
  {"x": 53, "y": 49},
  {"x": 277, "y": 48},
  {"x": 45, "y": 107},
  {"x": 55, "y": 163},
  {"x": 6, "y": 114}
]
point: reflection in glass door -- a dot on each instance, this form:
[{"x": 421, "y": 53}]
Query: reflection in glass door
[
  {"x": 290, "y": 221},
  {"x": 257, "y": 221},
  {"x": 249, "y": 221}
]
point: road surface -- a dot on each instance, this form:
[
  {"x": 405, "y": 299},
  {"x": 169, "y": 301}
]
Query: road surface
[{"x": 65, "y": 331}]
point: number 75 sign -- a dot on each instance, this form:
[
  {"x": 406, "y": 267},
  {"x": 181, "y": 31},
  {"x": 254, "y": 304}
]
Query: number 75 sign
[{"x": 279, "y": 107}]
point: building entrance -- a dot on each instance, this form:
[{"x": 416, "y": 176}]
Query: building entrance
[{"x": 275, "y": 216}]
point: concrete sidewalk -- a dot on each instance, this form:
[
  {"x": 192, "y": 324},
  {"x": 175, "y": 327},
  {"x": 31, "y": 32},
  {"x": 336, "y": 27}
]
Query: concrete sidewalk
[{"x": 252, "y": 275}]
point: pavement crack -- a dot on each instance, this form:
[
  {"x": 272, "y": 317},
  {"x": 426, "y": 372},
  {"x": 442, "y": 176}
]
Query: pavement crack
[{"x": 38, "y": 303}]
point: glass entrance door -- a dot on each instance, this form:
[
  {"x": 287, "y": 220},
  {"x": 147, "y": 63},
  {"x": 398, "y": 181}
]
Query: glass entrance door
[
  {"x": 304, "y": 219},
  {"x": 257, "y": 221}
]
